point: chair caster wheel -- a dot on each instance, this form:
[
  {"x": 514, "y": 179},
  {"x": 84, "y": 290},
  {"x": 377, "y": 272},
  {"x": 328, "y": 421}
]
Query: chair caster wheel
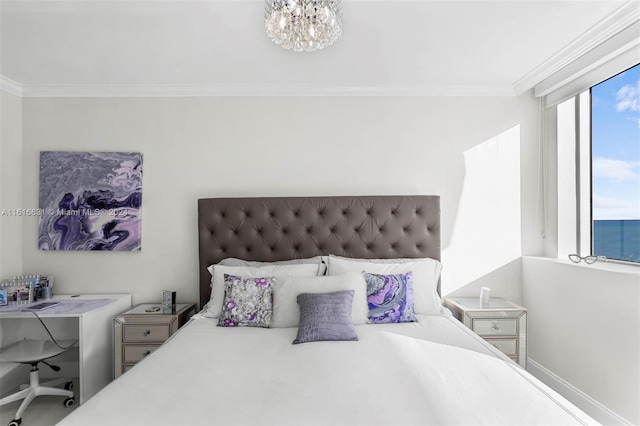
[
  {"x": 15, "y": 422},
  {"x": 69, "y": 402},
  {"x": 68, "y": 386}
]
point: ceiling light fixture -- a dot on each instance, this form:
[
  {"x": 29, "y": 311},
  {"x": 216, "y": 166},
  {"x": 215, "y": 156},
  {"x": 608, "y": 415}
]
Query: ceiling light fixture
[{"x": 303, "y": 25}]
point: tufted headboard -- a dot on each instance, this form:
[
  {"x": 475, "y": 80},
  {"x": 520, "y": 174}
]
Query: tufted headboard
[{"x": 269, "y": 229}]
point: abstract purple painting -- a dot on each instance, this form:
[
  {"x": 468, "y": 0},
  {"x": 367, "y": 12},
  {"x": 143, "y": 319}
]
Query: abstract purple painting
[{"x": 90, "y": 201}]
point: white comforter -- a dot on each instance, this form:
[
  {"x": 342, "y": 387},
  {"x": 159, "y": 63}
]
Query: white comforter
[{"x": 431, "y": 372}]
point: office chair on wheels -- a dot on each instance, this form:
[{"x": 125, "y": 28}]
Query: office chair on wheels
[{"x": 34, "y": 352}]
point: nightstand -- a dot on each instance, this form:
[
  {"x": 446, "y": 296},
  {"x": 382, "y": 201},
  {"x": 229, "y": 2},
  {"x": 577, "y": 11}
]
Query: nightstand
[
  {"x": 138, "y": 332},
  {"x": 500, "y": 322}
]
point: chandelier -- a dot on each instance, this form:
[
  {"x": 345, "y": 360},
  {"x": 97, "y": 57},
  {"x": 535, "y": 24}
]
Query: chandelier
[{"x": 303, "y": 25}]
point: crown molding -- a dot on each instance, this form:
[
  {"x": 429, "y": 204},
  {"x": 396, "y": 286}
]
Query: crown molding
[
  {"x": 617, "y": 21},
  {"x": 143, "y": 91},
  {"x": 10, "y": 86},
  {"x": 618, "y": 53}
]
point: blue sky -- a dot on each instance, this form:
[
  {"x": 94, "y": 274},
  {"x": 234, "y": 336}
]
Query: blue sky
[{"x": 615, "y": 136}]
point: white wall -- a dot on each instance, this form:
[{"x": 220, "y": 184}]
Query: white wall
[
  {"x": 488, "y": 216},
  {"x": 207, "y": 147},
  {"x": 10, "y": 200},
  {"x": 583, "y": 321},
  {"x": 10, "y": 185},
  {"x": 584, "y": 327}
]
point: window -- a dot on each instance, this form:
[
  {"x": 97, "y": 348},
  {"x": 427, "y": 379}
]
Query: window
[
  {"x": 590, "y": 147},
  {"x": 615, "y": 167}
]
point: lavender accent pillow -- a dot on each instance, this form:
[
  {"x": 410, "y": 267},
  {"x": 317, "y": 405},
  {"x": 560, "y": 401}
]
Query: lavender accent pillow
[
  {"x": 325, "y": 316},
  {"x": 390, "y": 298},
  {"x": 248, "y": 302}
]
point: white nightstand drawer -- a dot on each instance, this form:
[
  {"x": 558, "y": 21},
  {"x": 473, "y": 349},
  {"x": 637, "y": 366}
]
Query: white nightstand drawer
[
  {"x": 501, "y": 323},
  {"x": 146, "y": 333},
  {"x": 142, "y": 329},
  {"x": 506, "y": 346},
  {"x": 495, "y": 327},
  {"x": 132, "y": 353}
]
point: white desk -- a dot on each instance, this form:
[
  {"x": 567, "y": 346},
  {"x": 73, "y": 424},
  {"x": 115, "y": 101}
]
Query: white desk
[{"x": 83, "y": 318}]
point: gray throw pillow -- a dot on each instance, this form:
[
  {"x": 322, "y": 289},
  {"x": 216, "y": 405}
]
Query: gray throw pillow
[{"x": 325, "y": 316}]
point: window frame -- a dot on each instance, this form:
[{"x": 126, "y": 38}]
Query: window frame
[{"x": 584, "y": 180}]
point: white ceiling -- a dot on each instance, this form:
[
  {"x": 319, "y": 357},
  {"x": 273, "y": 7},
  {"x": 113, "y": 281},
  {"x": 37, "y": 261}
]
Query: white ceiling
[{"x": 219, "y": 47}]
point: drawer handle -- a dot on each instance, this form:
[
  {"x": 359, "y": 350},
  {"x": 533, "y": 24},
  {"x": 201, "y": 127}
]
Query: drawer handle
[
  {"x": 146, "y": 332},
  {"x": 145, "y": 353},
  {"x": 495, "y": 326}
]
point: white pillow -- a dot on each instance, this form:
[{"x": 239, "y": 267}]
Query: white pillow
[
  {"x": 286, "y": 312},
  {"x": 217, "y": 279},
  {"x": 426, "y": 274},
  {"x": 317, "y": 260}
]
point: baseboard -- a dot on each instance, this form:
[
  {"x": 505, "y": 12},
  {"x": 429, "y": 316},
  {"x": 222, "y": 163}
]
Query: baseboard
[{"x": 580, "y": 399}]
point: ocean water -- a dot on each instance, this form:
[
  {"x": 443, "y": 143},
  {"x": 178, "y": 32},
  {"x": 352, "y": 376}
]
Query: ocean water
[{"x": 617, "y": 239}]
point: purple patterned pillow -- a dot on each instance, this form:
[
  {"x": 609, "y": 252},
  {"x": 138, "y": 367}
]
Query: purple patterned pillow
[
  {"x": 248, "y": 302},
  {"x": 390, "y": 298}
]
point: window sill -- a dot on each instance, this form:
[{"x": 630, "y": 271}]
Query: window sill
[{"x": 611, "y": 266}]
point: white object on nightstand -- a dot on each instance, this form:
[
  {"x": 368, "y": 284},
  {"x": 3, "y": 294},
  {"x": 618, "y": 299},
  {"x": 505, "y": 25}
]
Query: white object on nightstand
[
  {"x": 500, "y": 322},
  {"x": 485, "y": 295}
]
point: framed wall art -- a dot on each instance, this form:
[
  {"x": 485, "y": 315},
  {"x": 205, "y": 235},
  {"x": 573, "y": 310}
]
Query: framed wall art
[{"x": 90, "y": 201}]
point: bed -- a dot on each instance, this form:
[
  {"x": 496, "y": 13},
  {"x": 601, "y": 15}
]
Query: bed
[{"x": 427, "y": 370}]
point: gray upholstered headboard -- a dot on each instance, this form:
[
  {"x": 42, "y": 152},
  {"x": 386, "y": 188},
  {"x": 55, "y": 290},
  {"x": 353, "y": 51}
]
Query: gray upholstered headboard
[{"x": 269, "y": 229}]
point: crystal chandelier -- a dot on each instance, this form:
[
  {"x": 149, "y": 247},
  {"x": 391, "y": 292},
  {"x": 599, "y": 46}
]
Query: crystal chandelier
[{"x": 303, "y": 25}]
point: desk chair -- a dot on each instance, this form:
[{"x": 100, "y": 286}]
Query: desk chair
[{"x": 34, "y": 352}]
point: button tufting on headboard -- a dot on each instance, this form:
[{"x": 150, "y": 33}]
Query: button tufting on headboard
[{"x": 269, "y": 229}]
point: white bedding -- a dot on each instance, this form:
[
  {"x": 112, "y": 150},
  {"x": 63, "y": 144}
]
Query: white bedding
[{"x": 434, "y": 371}]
